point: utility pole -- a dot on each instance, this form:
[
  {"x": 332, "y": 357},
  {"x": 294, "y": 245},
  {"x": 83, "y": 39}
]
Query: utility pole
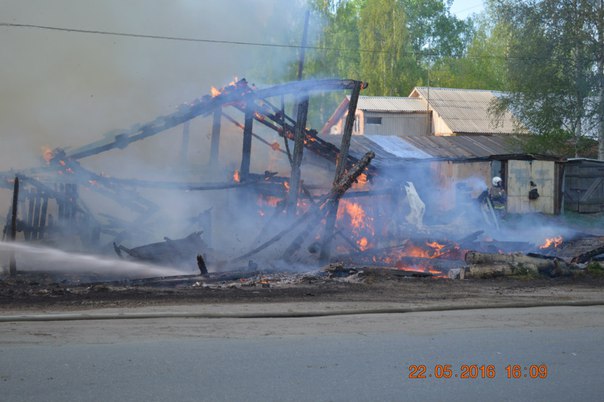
[{"x": 299, "y": 132}]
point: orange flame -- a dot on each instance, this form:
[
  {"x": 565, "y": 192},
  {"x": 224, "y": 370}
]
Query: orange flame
[
  {"x": 236, "y": 177},
  {"x": 286, "y": 185},
  {"x": 353, "y": 215},
  {"x": 434, "y": 272},
  {"x": 47, "y": 154},
  {"x": 214, "y": 92},
  {"x": 361, "y": 182},
  {"x": 268, "y": 200},
  {"x": 356, "y": 213},
  {"x": 437, "y": 247},
  {"x": 552, "y": 242},
  {"x": 363, "y": 243}
]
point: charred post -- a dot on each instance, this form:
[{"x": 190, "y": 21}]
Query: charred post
[
  {"x": 215, "y": 144},
  {"x": 43, "y": 213},
  {"x": 201, "y": 264},
  {"x": 340, "y": 168},
  {"x": 35, "y": 229},
  {"x": 30, "y": 215},
  {"x": 297, "y": 155},
  {"x": 13, "y": 227},
  {"x": 303, "y": 45},
  {"x": 247, "y": 141}
]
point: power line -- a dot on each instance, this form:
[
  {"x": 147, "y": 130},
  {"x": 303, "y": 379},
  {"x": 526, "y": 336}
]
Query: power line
[
  {"x": 240, "y": 43},
  {"x": 180, "y": 38}
]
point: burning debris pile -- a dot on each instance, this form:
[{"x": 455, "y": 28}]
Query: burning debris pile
[{"x": 363, "y": 218}]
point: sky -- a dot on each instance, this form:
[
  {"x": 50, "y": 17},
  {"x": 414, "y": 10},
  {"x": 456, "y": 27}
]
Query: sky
[{"x": 463, "y": 8}]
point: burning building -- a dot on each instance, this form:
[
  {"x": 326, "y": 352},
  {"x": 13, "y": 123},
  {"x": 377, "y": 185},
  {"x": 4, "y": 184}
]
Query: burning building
[{"x": 292, "y": 198}]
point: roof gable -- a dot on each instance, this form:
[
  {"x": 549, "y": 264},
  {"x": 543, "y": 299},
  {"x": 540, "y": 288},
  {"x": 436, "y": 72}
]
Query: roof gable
[{"x": 465, "y": 111}]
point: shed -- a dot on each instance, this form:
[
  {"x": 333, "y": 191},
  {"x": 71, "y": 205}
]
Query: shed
[
  {"x": 445, "y": 167},
  {"x": 584, "y": 185}
]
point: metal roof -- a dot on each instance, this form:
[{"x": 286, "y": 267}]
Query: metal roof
[
  {"x": 465, "y": 110},
  {"x": 390, "y": 104},
  {"x": 468, "y": 146},
  {"x": 392, "y": 150}
]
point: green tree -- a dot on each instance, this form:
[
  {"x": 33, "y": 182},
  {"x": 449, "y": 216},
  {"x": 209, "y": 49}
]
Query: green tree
[
  {"x": 554, "y": 67},
  {"x": 387, "y": 59},
  {"x": 482, "y": 66},
  {"x": 432, "y": 28}
]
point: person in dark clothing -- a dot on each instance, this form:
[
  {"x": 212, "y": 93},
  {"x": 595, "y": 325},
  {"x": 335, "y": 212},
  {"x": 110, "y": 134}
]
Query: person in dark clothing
[{"x": 498, "y": 196}]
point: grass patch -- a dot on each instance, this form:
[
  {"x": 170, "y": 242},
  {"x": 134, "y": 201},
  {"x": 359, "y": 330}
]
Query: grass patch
[{"x": 595, "y": 269}]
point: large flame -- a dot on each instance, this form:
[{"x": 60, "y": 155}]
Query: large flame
[{"x": 352, "y": 216}]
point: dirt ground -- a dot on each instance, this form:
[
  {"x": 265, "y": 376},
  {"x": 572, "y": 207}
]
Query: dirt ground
[{"x": 31, "y": 294}]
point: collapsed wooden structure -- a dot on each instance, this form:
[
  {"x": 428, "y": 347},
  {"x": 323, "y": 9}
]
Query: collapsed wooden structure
[{"x": 59, "y": 181}]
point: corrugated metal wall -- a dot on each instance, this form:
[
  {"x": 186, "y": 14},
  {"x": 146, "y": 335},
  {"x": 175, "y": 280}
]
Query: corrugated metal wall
[
  {"x": 584, "y": 186},
  {"x": 520, "y": 173}
]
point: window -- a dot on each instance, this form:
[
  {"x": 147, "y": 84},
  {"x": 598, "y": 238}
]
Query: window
[{"x": 374, "y": 120}]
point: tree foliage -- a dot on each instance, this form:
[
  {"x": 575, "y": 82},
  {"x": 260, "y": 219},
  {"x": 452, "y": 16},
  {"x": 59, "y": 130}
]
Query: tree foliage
[
  {"x": 545, "y": 56},
  {"x": 482, "y": 66},
  {"x": 554, "y": 66},
  {"x": 391, "y": 44}
]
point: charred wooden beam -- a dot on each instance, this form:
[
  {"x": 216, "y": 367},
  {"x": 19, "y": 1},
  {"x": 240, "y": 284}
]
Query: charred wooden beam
[
  {"x": 390, "y": 272},
  {"x": 302, "y": 114},
  {"x": 204, "y": 106},
  {"x": 201, "y": 264},
  {"x": 292, "y": 199},
  {"x": 340, "y": 168},
  {"x": 256, "y": 136},
  {"x": 587, "y": 256},
  {"x": 199, "y": 107},
  {"x": 273, "y": 120},
  {"x": 29, "y": 219},
  {"x": 303, "y": 45},
  {"x": 13, "y": 227},
  {"x": 215, "y": 141},
  {"x": 321, "y": 85},
  {"x": 246, "y": 153},
  {"x": 36, "y": 218},
  {"x": 43, "y": 213}
]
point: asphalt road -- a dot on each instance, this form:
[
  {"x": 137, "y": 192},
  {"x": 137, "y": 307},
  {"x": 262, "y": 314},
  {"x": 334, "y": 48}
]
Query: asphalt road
[{"x": 338, "y": 358}]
